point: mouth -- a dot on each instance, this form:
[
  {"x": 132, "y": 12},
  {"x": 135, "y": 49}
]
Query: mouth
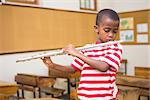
[{"x": 109, "y": 40}]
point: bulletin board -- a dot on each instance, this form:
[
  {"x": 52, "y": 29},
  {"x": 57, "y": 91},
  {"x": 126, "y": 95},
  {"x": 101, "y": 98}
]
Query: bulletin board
[
  {"x": 135, "y": 27},
  {"x": 24, "y": 29}
]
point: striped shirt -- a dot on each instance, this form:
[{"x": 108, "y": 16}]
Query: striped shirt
[{"x": 94, "y": 84}]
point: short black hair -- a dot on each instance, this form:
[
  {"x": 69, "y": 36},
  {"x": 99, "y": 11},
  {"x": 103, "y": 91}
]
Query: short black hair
[{"x": 108, "y": 13}]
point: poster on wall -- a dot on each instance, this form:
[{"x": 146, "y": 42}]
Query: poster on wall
[
  {"x": 142, "y": 28},
  {"x": 142, "y": 38},
  {"x": 126, "y": 23},
  {"x": 88, "y": 4},
  {"x": 127, "y": 35}
]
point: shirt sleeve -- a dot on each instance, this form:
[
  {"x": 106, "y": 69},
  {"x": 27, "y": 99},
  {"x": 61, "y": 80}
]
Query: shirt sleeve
[
  {"x": 113, "y": 58},
  {"x": 77, "y": 64}
]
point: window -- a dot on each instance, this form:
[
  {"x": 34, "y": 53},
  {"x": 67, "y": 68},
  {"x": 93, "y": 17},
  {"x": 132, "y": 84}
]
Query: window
[{"x": 88, "y": 5}]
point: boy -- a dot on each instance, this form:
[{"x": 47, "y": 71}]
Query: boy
[{"x": 98, "y": 66}]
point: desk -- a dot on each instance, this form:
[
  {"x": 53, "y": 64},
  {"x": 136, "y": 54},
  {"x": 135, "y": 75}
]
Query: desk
[
  {"x": 58, "y": 74},
  {"x": 7, "y": 89},
  {"x": 131, "y": 81},
  {"x": 31, "y": 82},
  {"x": 42, "y": 99}
]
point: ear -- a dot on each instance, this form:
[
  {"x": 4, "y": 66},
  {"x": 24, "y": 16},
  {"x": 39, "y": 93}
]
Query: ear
[{"x": 96, "y": 28}]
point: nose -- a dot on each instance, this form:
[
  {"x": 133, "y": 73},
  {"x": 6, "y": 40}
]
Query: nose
[{"x": 111, "y": 34}]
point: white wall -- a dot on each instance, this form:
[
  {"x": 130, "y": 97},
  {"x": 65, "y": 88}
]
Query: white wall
[
  {"x": 124, "y": 5},
  {"x": 137, "y": 55},
  {"x": 118, "y": 5},
  {"x": 9, "y": 68},
  {"x": 60, "y": 4},
  {"x": 149, "y": 4}
]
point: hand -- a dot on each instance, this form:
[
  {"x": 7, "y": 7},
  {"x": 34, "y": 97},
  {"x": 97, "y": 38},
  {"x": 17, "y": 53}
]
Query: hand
[
  {"x": 48, "y": 62},
  {"x": 70, "y": 49}
]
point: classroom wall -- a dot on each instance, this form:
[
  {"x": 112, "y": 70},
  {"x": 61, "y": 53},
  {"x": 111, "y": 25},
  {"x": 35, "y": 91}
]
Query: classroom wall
[
  {"x": 60, "y": 4},
  {"x": 136, "y": 56},
  {"x": 118, "y": 5},
  {"x": 126, "y": 5},
  {"x": 149, "y": 4},
  {"x": 9, "y": 68}
]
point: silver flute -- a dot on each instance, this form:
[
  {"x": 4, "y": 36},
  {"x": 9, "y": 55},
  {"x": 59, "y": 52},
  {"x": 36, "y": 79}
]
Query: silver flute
[{"x": 61, "y": 52}]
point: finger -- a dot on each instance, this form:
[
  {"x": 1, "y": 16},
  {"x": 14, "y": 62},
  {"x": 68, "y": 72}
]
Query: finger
[
  {"x": 46, "y": 57},
  {"x": 42, "y": 58},
  {"x": 69, "y": 54}
]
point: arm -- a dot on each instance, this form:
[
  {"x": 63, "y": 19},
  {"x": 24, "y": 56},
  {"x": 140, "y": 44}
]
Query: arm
[
  {"x": 99, "y": 65},
  {"x": 48, "y": 62}
]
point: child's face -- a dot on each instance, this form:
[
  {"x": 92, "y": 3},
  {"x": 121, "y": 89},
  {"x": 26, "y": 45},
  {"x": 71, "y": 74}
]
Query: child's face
[{"x": 107, "y": 29}]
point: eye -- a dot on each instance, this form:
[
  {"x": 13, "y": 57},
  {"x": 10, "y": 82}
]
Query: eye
[
  {"x": 107, "y": 30},
  {"x": 115, "y": 31}
]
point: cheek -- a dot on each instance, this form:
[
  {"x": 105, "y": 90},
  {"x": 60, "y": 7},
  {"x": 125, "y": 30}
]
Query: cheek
[
  {"x": 102, "y": 35},
  {"x": 114, "y": 36}
]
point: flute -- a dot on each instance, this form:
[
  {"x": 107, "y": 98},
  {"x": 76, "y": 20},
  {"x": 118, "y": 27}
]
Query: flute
[{"x": 61, "y": 52}]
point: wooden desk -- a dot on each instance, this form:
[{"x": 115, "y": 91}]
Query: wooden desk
[
  {"x": 7, "y": 89},
  {"x": 42, "y": 99},
  {"x": 131, "y": 81},
  {"x": 143, "y": 72},
  {"x": 30, "y": 82},
  {"x": 58, "y": 74}
]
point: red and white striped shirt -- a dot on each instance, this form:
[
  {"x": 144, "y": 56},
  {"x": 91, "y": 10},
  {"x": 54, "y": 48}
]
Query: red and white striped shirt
[{"x": 94, "y": 84}]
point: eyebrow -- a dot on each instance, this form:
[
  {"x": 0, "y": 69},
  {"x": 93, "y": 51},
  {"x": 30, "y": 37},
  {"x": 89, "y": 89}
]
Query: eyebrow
[{"x": 111, "y": 27}]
